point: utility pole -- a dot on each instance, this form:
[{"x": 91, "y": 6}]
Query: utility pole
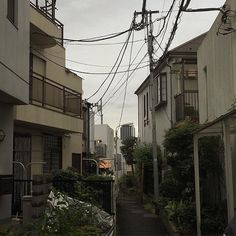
[
  {"x": 101, "y": 112},
  {"x": 147, "y": 21}
]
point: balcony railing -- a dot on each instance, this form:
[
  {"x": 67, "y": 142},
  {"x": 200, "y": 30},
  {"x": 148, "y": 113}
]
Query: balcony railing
[
  {"x": 48, "y": 8},
  {"x": 187, "y": 106},
  {"x": 49, "y": 94}
]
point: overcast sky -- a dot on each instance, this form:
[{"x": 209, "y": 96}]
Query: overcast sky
[{"x": 88, "y": 18}]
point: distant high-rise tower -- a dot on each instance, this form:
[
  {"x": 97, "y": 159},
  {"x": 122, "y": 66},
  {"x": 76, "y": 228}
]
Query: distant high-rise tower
[{"x": 127, "y": 131}]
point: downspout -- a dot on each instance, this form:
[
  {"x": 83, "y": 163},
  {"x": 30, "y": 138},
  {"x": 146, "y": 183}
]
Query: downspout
[
  {"x": 183, "y": 87},
  {"x": 171, "y": 95}
]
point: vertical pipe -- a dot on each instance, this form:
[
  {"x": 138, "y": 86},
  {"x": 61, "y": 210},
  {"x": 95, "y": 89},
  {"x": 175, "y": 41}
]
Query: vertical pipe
[{"x": 197, "y": 184}]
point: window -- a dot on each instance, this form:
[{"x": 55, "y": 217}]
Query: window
[
  {"x": 161, "y": 88},
  {"x": 52, "y": 153},
  {"x": 11, "y": 11},
  {"x": 147, "y": 107},
  {"x": 144, "y": 105}
]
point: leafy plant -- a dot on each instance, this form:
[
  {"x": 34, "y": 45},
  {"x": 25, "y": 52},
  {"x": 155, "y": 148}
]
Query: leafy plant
[
  {"x": 182, "y": 214},
  {"x": 178, "y": 185},
  {"x": 99, "y": 178},
  {"x": 66, "y": 217},
  {"x": 128, "y": 184},
  {"x": 127, "y": 149}
]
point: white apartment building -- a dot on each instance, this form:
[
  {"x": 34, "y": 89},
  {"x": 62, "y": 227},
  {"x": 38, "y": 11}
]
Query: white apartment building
[
  {"x": 48, "y": 131},
  {"x": 104, "y": 135},
  {"x": 14, "y": 86}
]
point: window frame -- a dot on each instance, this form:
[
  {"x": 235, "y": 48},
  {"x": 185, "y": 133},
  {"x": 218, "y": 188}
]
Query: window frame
[
  {"x": 12, "y": 13},
  {"x": 159, "y": 88}
]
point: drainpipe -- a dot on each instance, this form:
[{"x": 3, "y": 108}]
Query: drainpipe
[
  {"x": 183, "y": 85},
  {"x": 171, "y": 95}
]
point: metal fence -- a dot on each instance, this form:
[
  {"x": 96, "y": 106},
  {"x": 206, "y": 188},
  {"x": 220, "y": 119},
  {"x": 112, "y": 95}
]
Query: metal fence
[
  {"x": 20, "y": 188},
  {"x": 187, "y": 106},
  {"x": 50, "y": 94}
]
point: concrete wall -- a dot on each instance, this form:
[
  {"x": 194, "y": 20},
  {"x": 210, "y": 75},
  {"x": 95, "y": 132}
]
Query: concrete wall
[
  {"x": 14, "y": 54},
  {"x": 37, "y": 115},
  {"x": 144, "y": 131},
  {"x": 6, "y": 154},
  {"x": 71, "y": 144},
  {"x": 217, "y": 75},
  {"x": 14, "y": 83},
  {"x": 163, "y": 113},
  {"x": 106, "y": 134}
]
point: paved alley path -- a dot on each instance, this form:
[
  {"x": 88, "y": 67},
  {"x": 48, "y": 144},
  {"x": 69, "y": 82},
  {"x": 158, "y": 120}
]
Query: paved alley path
[{"x": 132, "y": 219}]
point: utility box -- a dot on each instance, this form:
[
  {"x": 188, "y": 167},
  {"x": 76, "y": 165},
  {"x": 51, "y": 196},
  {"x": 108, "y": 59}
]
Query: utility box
[{"x": 27, "y": 208}]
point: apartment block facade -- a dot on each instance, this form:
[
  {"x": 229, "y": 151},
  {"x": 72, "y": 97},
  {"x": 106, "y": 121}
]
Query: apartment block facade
[
  {"x": 40, "y": 99},
  {"x": 14, "y": 87},
  {"x": 175, "y": 92},
  {"x": 50, "y": 128}
]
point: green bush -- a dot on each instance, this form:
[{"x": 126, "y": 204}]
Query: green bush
[
  {"x": 128, "y": 184},
  {"x": 177, "y": 188},
  {"x": 99, "y": 178},
  {"x": 182, "y": 213},
  {"x": 213, "y": 218},
  {"x": 75, "y": 219}
]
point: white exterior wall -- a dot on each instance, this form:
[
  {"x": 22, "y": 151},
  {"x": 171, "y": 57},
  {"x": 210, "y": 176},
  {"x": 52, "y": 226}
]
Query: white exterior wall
[
  {"x": 14, "y": 54},
  {"x": 163, "y": 114},
  {"x": 217, "y": 55},
  {"x": 144, "y": 131},
  {"x": 217, "y": 87},
  {"x": 71, "y": 144},
  {"x": 106, "y": 134},
  {"x": 124, "y": 166},
  {"x": 14, "y": 84}
]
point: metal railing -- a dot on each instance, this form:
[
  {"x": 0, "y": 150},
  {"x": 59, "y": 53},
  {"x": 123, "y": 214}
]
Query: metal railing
[
  {"x": 187, "y": 106},
  {"x": 52, "y": 95},
  {"x": 48, "y": 9}
]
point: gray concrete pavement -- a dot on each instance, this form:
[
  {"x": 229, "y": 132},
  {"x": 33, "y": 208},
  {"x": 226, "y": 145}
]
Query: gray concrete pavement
[{"x": 132, "y": 219}]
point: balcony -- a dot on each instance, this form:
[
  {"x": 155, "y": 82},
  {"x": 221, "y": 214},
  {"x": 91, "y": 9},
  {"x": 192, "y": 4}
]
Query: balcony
[
  {"x": 44, "y": 24},
  {"x": 51, "y": 95},
  {"x": 52, "y": 107},
  {"x": 186, "y": 105}
]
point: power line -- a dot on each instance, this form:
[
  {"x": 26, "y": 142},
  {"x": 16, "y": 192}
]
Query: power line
[
  {"x": 103, "y": 44},
  {"x": 123, "y": 104},
  {"x": 87, "y": 64},
  {"x": 122, "y": 56},
  {"x": 88, "y": 40},
  {"x": 122, "y": 48},
  {"x": 127, "y": 72},
  {"x": 124, "y": 81},
  {"x": 85, "y": 72},
  {"x": 175, "y": 26},
  {"x": 12, "y": 71}
]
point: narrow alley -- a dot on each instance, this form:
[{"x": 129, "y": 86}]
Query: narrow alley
[{"x": 133, "y": 219}]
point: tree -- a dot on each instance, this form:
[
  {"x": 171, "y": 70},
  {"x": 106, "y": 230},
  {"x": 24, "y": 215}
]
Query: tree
[
  {"x": 143, "y": 155},
  {"x": 178, "y": 142},
  {"x": 127, "y": 149}
]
